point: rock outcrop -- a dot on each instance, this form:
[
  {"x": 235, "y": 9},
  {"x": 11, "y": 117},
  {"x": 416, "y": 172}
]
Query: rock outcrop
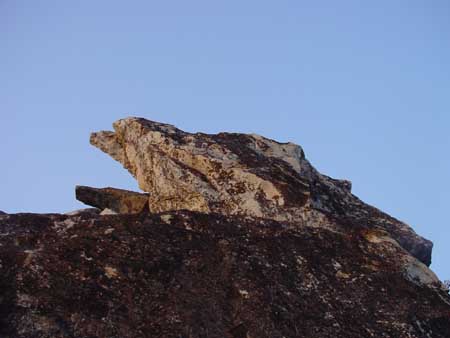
[
  {"x": 118, "y": 200},
  {"x": 240, "y": 174},
  {"x": 236, "y": 236}
]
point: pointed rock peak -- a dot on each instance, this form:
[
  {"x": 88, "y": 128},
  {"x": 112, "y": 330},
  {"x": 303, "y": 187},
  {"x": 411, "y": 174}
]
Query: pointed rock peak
[{"x": 226, "y": 173}]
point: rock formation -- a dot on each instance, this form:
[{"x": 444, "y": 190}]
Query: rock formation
[{"x": 236, "y": 236}]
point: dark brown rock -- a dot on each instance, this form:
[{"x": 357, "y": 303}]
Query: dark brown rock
[
  {"x": 187, "y": 274},
  {"x": 118, "y": 200}
]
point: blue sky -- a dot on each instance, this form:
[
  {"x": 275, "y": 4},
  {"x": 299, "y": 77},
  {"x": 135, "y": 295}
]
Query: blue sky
[{"x": 364, "y": 87}]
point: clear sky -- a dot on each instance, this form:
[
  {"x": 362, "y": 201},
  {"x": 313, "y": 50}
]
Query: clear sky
[{"x": 363, "y": 86}]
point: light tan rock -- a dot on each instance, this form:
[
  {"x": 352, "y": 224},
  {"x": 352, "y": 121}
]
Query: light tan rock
[{"x": 231, "y": 173}]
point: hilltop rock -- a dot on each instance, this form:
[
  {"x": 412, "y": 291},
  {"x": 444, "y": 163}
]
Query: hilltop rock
[
  {"x": 242, "y": 174},
  {"x": 117, "y": 200},
  {"x": 236, "y": 236},
  {"x": 2, "y": 213},
  {"x": 225, "y": 173}
]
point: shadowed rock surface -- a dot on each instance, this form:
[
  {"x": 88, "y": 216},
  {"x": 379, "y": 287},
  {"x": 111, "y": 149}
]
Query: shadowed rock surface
[
  {"x": 238, "y": 237},
  {"x": 187, "y": 274},
  {"x": 118, "y": 200}
]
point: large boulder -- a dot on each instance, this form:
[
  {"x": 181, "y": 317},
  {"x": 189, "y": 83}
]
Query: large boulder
[
  {"x": 224, "y": 173},
  {"x": 242, "y": 174}
]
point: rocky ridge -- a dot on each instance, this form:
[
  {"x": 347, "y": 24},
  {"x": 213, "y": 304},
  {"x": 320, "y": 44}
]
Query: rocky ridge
[{"x": 235, "y": 236}]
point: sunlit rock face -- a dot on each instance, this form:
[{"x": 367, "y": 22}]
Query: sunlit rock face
[
  {"x": 224, "y": 173},
  {"x": 242, "y": 174}
]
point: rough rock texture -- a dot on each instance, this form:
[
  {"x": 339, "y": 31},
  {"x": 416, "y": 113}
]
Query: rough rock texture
[
  {"x": 239, "y": 237},
  {"x": 118, "y": 200},
  {"x": 240, "y": 174},
  {"x": 187, "y": 274}
]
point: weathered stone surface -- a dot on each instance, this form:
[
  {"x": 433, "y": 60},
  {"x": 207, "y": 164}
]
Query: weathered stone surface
[
  {"x": 228, "y": 173},
  {"x": 118, "y": 200},
  {"x": 188, "y": 274},
  {"x": 240, "y": 174}
]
